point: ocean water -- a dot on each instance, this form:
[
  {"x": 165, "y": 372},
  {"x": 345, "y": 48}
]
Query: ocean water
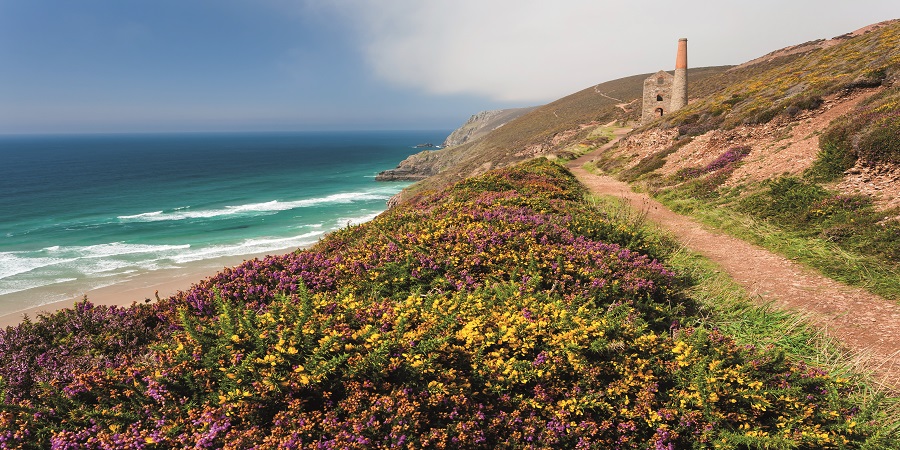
[{"x": 81, "y": 212}]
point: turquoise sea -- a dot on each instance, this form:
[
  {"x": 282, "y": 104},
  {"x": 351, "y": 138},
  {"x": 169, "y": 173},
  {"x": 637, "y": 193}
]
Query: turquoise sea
[{"x": 84, "y": 211}]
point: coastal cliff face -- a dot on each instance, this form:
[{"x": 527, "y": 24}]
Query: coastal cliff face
[
  {"x": 429, "y": 162},
  {"x": 481, "y": 124}
]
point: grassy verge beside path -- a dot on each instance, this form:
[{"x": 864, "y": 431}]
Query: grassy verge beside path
[
  {"x": 852, "y": 268},
  {"x": 726, "y": 306}
]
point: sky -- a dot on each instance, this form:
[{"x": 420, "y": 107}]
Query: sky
[{"x": 98, "y": 66}]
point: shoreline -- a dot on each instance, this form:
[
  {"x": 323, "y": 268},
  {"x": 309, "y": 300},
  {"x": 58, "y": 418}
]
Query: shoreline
[{"x": 143, "y": 286}]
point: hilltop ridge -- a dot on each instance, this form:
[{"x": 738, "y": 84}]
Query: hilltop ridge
[
  {"x": 568, "y": 126},
  {"x": 720, "y": 97},
  {"x": 483, "y": 123},
  {"x": 815, "y": 45}
]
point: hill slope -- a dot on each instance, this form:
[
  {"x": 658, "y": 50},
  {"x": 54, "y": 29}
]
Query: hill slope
[
  {"x": 566, "y": 125},
  {"x": 825, "y": 113},
  {"x": 506, "y": 310},
  {"x": 482, "y": 124},
  {"x": 782, "y": 84},
  {"x": 431, "y": 162},
  {"x": 808, "y": 145}
]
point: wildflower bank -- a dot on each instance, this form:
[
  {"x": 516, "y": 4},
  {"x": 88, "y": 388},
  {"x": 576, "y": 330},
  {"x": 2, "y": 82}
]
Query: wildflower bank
[{"x": 505, "y": 311}]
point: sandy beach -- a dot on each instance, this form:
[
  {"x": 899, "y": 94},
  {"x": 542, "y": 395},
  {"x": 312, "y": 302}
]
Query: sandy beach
[{"x": 140, "y": 288}]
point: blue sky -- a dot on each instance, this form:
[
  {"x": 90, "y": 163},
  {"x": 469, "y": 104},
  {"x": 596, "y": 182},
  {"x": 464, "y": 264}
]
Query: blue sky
[{"x": 236, "y": 65}]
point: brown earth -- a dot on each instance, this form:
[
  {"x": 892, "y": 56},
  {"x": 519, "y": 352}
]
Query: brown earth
[
  {"x": 781, "y": 147},
  {"x": 867, "y": 324}
]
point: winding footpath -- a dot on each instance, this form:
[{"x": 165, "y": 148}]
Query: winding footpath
[{"x": 866, "y": 323}]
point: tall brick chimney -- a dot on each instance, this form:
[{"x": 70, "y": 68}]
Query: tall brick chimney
[{"x": 679, "y": 84}]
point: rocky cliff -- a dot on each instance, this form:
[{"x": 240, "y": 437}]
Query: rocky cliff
[
  {"x": 430, "y": 162},
  {"x": 483, "y": 123},
  {"x": 414, "y": 168}
]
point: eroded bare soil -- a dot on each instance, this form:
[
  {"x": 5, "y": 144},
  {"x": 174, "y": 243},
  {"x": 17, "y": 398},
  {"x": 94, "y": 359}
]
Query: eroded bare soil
[{"x": 781, "y": 147}]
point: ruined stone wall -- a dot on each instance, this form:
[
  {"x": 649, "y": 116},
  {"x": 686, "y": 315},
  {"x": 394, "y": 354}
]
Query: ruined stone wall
[{"x": 657, "y": 96}]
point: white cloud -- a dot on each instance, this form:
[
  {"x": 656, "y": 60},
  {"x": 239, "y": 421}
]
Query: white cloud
[
  {"x": 539, "y": 50},
  {"x": 509, "y": 50}
]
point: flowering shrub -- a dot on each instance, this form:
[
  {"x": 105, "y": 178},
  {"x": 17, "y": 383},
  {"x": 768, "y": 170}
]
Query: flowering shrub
[
  {"x": 503, "y": 312},
  {"x": 702, "y": 182},
  {"x": 727, "y": 161},
  {"x": 870, "y": 135},
  {"x": 58, "y": 346}
]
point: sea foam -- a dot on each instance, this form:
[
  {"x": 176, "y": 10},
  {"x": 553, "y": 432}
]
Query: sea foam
[
  {"x": 7, "y": 287},
  {"x": 88, "y": 260},
  {"x": 17, "y": 263},
  {"x": 248, "y": 247},
  {"x": 269, "y": 207}
]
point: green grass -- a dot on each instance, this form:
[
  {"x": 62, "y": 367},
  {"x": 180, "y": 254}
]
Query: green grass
[
  {"x": 870, "y": 133},
  {"x": 647, "y": 165},
  {"x": 594, "y": 139},
  {"x": 603, "y": 134},
  {"x": 730, "y": 309},
  {"x": 726, "y": 306}
]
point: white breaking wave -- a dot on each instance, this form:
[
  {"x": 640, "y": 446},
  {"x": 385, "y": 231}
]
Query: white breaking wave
[
  {"x": 89, "y": 260},
  {"x": 15, "y": 263},
  {"x": 248, "y": 246},
  {"x": 345, "y": 221},
  {"x": 143, "y": 215},
  {"x": 115, "y": 249},
  {"x": 269, "y": 207},
  {"x": 13, "y": 287},
  {"x": 108, "y": 262}
]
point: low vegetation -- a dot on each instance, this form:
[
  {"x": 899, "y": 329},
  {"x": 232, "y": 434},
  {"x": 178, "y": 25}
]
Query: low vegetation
[
  {"x": 784, "y": 88},
  {"x": 869, "y": 135},
  {"x": 845, "y": 236},
  {"x": 506, "y": 311}
]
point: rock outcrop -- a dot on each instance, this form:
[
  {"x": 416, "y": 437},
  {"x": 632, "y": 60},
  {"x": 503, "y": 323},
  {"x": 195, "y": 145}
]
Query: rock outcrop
[
  {"x": 414, "y": 168},
  {"x": 481, "y": 124},
  {"x": 427, "y": 163}
]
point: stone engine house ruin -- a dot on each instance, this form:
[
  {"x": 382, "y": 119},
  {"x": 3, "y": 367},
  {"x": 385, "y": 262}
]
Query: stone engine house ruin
[{"x": 665, "y": 93}]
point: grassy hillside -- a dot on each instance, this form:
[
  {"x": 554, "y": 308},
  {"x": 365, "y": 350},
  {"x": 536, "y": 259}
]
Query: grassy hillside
[
  {"x": 786, "y": 86},
  {"x": 506, "y": 311},
  {"x": 837, "y": 223},
  {"x": 550, "y": 128}
]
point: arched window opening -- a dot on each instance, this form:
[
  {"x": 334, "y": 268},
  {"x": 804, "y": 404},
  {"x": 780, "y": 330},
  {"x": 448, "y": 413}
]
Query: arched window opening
[
  {"x": 660, "y": 111},
  {"x": 658, "y": 97}
]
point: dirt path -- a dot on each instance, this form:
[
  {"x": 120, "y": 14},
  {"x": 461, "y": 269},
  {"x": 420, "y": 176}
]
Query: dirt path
[
  {"x": 869, "y": 325},
  {"x": 622, "y": 103}
]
